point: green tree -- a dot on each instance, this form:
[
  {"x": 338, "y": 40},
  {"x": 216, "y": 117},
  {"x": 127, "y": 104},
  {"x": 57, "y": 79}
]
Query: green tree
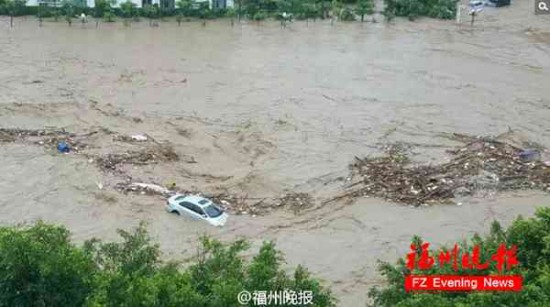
[
  {"x": 40, "y": 267},
  {"x": 204, "y": 12},
  {"x": 100, "y": 7},
  {"x": 69, "y": 11},
  {"x": 151, "y": 12},
  {"x": 445, "y": 9},
  {"x": 43, "y": 268},
  {"x": 185, "y": 8},
  {"x": 41, "y": 13},
  {"x": 335, "y": 10},
  {"x": 129, "y": 11},
  {"x": 103, "y": 9},
  {"x": 324, "y": 7},
  {"x": 364, "y": 7},
  {"x": 310, "y": 10},
  {"x": 532, "y": 238},
  {"x": 239, "y": 8},
  {"x": 231, "y": 13},
  {"x": 13, "y": 8}
]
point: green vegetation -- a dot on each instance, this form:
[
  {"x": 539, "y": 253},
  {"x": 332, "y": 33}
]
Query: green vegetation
[
  {"x": 12, "y": 8},
  {"x": 103, "y": 9},
  {"x": 364, "y": 7},
  {"x": 69, "y": 12},
  {"x": 129, "y": 11},
  {"x": 532, "y": 238},
  {"x": 39, "y": 266},
  {"x": 443, "y": 9},
  {"x": 257, "y": 10},
  {"x": 151, "y": 12}
]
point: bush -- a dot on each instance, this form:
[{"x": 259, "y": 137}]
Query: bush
[
  {"x": 532, "y": 238},
  {"x": 39, "y": 266}
]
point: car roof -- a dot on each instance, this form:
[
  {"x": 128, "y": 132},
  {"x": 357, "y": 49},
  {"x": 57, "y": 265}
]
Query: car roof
[{"x": 196, "y": 199}]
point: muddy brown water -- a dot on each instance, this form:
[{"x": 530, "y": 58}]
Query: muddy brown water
[{"x": 307, "y": 99}]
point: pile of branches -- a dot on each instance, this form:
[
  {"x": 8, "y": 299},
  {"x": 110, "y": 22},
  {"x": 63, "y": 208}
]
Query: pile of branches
[
  {"x": 480, "y": 164},
  {"x": 236, "y": 204},
  {"x": 44, "y": 137},
  {"x": 13, "y": 134},
  {"x": 296, "y": 202},
  {"x": 160, "y": 153}
]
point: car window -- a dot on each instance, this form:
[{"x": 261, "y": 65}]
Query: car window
[
  {"x": 204, "y": 201},
  {"x": 186, "y": 204},
  {"x": 197, "y": 209},
  {"x": 192, "y": 207},
  {"x": 213, "y": 211}
]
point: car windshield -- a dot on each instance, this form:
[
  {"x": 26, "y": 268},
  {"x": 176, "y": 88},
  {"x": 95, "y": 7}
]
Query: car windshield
[{"x": 213, "y": 211}]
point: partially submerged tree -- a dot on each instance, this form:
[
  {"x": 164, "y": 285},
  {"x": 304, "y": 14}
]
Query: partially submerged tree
[
  {"x": 41, "y": 13},
  {"x": 204, "y": 12},
  {"x": 13, "y": 8},
  {"x": 185, "y": 8},
  {"x": 102, "y": 9},
  {"x": 364, "y": 7},
  {"x": 444, "y": 9},
  {"x": 69, "y": 11},
  {"x": 151, "y": 12},
  {"x": 128, "y": 10},
  {"x": 335, "y": 10},
  {"x": 310, "y": 10},
  {"x": 231, "y": 13}
]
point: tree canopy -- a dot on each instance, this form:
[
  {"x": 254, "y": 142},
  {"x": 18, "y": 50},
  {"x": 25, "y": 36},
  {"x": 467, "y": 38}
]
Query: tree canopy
[
  {"x": 444, "y": 9},
  {"x": 39, "y": 266},
  {"x": 532, "y": 238}
]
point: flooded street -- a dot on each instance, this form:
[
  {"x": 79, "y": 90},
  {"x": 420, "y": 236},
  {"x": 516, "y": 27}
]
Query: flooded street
[{"x": 271, "y": 110}]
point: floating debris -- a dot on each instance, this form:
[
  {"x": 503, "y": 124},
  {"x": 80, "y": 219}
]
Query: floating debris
[
  {"x": 144, "y": 188},
  {"x": 297, "y": 202},
  {"x": 131, "y": 138},
  {"x": 44, "y": 137},
  {"x": 163, "y": 152},
  {"x": 14, "y": 134},
  {"x": 483, "y": 163},
  {"x": 236, "y": 204}
]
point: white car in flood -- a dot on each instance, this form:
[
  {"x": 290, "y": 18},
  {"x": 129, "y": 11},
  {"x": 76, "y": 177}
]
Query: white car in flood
[{"x": 196, "y": 207}]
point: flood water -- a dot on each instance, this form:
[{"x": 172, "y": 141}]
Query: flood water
[{"x": 320, "y": 94}]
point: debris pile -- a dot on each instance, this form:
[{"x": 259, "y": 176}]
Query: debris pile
[
  {"x": 14, "y": 134},
  {"x": 239, "y": 205},
  {"x": 44, "y": 137},
  {"x": 130, "y": 138},
  {"x": 163, "y": 152},
  {"x": 483, "y": 163},
  {"x": 297, "y": 202},
  {"x": 236, "y": 204},
  {"x": 143, "y": 188}
]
